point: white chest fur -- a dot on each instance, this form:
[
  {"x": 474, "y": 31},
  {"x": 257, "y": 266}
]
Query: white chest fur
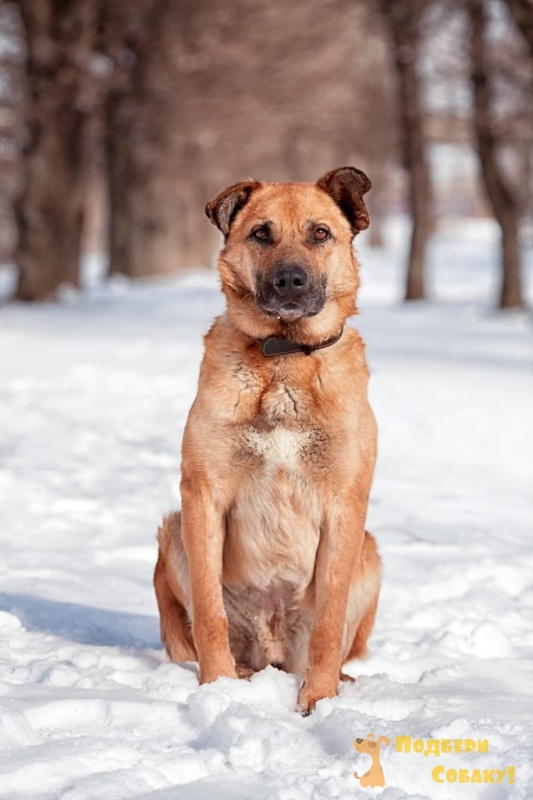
[
  {"x": 278, "y": 447},
  {"x": 274, "y": 524}
]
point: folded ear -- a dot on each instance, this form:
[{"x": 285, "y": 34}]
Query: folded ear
[
  {"x": 224, "y": 208},
  {"x": 384, "y": 739},
  {"x": 346, "y": 186}
]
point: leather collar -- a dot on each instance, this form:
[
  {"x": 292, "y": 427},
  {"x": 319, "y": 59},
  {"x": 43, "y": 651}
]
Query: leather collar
[{"x": 275, "y": 346}]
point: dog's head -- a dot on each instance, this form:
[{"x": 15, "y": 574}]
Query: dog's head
[{"x": 287, "y": 266}]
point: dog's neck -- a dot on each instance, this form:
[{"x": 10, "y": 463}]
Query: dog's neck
[
  {"x": 243, "y": 315},
  {"x": 304, "y": 336},
  {"x": 284, "y": 341}
]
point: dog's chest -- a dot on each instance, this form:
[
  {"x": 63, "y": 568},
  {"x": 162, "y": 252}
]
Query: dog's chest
[
  {"x": 282, "y": 433},
  {"x": 275, "y": 521},
  {"x": 283, "y": 404},
  {"x": 278, "y": 447}
]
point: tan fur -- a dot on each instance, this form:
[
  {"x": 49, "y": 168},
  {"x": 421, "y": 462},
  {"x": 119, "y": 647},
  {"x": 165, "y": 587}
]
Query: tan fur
[{"x": 269, "y": 562}]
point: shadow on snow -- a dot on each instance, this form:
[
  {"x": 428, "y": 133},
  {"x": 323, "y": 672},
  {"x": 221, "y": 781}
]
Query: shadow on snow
[{"x": 83, "y": 624}]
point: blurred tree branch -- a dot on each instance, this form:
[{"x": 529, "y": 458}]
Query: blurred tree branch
[
  {"x": 499, "y": 192},
  {"x": 403, "y": 18}
]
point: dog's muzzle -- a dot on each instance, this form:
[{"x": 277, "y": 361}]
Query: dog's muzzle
[{"x": 290, "y": 292}]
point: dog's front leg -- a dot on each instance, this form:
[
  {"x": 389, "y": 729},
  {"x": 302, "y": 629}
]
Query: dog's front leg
[
  {"x": 203, "y": 531},
  {"x": 338, "y": 557}
]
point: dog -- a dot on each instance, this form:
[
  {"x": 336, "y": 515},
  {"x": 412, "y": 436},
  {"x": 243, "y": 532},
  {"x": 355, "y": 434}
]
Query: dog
[
  {"x": 268, "y": 562},
  {"x": 374, "y": 777}
]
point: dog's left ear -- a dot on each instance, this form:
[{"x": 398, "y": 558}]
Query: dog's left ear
[
  {"x": 224, "y": 208},
  {"x": 346, "y": 186}
]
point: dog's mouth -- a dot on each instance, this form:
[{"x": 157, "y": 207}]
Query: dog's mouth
[
  {"x": 290, "y": 295},
  {"x": 288, "y": 312}
]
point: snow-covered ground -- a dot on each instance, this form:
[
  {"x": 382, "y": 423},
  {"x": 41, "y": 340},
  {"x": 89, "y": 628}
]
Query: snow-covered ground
[{"x": 94, "y": 391}]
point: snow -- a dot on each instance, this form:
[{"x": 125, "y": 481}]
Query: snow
[{"x": 93, "y": 398}]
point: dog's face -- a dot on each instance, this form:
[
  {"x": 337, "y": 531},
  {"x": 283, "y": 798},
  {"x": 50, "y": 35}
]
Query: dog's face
[{"x": 287, "y": 267}]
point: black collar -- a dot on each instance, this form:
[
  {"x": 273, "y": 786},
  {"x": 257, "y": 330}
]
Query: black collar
[{"x": 275, "y": 346}]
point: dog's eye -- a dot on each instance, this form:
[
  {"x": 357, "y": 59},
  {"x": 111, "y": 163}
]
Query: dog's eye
[
  {"x": 260, "y": 235},
  {"x": 321, "y": 234}
]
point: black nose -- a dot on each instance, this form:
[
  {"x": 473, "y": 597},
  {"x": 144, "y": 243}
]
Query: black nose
[
  {"x": 290, "y": 281},
  {"x": 359, "y": 741}
]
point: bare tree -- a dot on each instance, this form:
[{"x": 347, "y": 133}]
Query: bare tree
[
  {"x": 522, "y": 13},
  {"x": 49, "y": 209},
  {"x": 11, "y": 55},
  {"x": 502, "y": 199},
  {"x": 143, "y": 120},
  {"x": 231, "y": 90},
  {"x": 403, "y": 18},
  {"x": 190, "y": 95}
]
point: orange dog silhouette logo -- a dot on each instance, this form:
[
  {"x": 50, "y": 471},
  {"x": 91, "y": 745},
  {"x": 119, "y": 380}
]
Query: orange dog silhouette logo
[{"x": 374, "y": 776}]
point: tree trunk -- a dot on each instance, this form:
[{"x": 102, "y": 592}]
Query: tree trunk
[
  {"x": 522, "y": 13},
  {"x": 403, "y": 17},
  {"x": 502, "y": 200},
  {"x": 376, "y": 207},
  {"x": 148, "y": 230},
  {"x": 49, "y": 209}
]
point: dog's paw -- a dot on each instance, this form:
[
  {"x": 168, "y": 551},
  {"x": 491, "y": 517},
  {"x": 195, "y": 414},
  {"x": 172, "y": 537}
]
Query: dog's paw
[
  {"x": 210, "y": 676},
  {"x": 306, "y": 707},
  {"x": 223, "y": 669},
  {"x": 312, "y": 691},
  {"x": 346, "y": 678},
  {"x": 244, "y": 672}
]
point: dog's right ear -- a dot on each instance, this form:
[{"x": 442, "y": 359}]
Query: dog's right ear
[{"x": 224, "y": 208}]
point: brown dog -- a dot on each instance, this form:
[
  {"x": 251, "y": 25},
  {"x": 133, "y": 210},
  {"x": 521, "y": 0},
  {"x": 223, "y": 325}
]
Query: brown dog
[{"x": 269, "y": 562}]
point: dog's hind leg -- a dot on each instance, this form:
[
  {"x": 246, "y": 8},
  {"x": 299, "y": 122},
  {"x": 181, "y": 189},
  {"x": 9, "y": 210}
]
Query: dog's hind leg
[
  {"x": 364, "y": 597},
  {"x": 175, "y": 625},
  {"x": 359, "y": 644}
]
